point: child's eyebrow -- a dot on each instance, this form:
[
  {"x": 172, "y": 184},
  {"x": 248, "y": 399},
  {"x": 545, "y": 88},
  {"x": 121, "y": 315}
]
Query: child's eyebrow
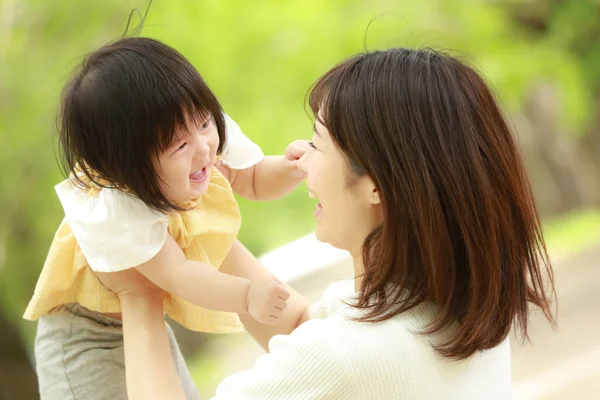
[
  {"x": 202, "y": 118},
  {"x": 179, "y": 137}
]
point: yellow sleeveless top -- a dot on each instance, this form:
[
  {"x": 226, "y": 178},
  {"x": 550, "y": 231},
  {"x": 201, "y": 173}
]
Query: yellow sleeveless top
[{"x": 205, "y": 233}]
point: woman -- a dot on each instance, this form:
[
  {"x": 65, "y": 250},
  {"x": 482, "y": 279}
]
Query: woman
[{"x": 418, "y": 177}]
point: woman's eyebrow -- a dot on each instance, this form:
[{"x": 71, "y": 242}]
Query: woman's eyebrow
[{"x": 315, "y": 129}]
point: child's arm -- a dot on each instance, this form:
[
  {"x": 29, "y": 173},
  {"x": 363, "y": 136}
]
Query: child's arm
[
  {"x": 240, "y": 262},
  {"x": 272, "y": 178},
  {"x": 201, "y": 284}
]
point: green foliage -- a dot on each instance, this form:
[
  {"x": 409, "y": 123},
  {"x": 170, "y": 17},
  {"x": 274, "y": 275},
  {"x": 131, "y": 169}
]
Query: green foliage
[{"x": 570, "y": 233}]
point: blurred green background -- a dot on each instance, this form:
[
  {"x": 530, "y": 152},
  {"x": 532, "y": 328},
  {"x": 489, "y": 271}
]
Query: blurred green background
[{"x": 260, "y": 57}]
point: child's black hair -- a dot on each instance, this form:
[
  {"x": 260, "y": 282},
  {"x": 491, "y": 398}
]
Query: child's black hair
[{"x": 123, "y": 108}]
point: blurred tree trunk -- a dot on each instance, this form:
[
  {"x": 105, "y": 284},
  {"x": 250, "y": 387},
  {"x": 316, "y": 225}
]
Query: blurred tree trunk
[
  {"x": 568, "y": 177},
  {"x": 571, "y": 159},
  {"x": 17, "y": 376},
  {"x": 591, "y": 141}
]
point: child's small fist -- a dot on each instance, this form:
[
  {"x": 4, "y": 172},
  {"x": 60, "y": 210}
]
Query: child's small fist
[
  {"x": 266, "y": 299},
  {"x": 294, "y": 153}
]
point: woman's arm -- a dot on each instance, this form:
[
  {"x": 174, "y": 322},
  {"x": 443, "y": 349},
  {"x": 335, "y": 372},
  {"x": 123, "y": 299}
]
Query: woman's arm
[
  {"x": 240, "y": 262},
  {"x": 299, "y": 366},
  {"x": 150, "y": 371}
]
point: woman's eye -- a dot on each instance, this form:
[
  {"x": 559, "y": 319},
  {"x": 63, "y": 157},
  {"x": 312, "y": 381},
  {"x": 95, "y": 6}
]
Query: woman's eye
[{"x": 312, "y": 144}]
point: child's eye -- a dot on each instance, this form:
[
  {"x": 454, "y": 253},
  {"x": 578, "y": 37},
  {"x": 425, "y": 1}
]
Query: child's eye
[
  {"x": 182, "y": 146},
  {"x": 206, "y": 123}
]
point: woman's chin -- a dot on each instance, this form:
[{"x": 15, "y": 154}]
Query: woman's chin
[
  {"x": 319, "y": 235},
  {"x": 326, "y": 238}
]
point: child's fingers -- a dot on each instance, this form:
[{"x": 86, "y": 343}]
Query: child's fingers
[
  {"x": 282, "y": 293},
  {"x": 281, "y": 305},
  {"x": 223, "y": 169},
  {"x": 278, "y": 281},
  {"x": 297, "y": 149},
  {"x": 303, "y": 163},
  {"x": 299, "y": 171},
  {"x": 276, "y": 314}
]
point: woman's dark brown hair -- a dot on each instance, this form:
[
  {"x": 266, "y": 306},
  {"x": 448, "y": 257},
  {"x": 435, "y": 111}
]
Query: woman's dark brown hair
[
  {"x": 460, "y": 226},
  {"x": 123, "y": 108}
]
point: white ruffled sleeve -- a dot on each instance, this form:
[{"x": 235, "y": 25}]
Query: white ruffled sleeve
[
  {"x": 114, "y": 231},
  {"x": 240, "y": 152}
]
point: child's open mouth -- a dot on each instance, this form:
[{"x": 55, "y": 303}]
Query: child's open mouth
[{"x": 199, "y": 176}]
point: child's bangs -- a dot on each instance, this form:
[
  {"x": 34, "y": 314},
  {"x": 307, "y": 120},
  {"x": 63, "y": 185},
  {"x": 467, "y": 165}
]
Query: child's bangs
[{"x": 183, "y": 109}]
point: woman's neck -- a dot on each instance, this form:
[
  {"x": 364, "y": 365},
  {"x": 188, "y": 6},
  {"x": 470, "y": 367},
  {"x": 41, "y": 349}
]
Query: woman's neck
[{"x": 358, "y": 270}]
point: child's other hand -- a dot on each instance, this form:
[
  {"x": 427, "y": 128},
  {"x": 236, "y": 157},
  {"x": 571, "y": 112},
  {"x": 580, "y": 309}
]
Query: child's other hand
[
  {"x": 224, "y": 170},
  {"x": 266, "y": 300},
  {"x": 294, "y": 153}
]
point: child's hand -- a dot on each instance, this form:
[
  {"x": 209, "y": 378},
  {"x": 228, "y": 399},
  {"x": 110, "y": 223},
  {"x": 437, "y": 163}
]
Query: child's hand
[
  {"x": 266, "y": 300},
  {"x": 293, "y": 154},
  {"x": 224, "y": 170}
]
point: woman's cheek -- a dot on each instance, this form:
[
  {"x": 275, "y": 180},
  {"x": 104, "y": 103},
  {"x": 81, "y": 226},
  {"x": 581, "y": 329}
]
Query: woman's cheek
[{"x": 311, "y": 176}]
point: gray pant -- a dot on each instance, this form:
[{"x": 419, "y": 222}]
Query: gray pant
[{"x": 79, "y": 356}]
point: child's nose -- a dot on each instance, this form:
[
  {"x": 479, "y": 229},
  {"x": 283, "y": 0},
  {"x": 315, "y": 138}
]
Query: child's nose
[{"x": 202, "y": 149}]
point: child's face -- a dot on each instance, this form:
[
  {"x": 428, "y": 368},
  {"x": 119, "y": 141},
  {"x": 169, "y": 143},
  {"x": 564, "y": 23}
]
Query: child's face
[{"x": 184, "y": 168}]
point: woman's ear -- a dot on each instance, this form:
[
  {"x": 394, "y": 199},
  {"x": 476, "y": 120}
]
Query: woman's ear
[
  {"x": 375, "y": 195},
  {"x": 368, "y": 191}
]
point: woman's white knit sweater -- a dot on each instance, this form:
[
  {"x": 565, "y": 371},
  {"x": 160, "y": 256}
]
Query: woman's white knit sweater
[{"x": 337, "y": 358}]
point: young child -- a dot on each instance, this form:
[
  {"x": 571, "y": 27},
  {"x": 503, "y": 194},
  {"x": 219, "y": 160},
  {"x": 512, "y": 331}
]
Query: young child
[{"x": 140, "y": 134}]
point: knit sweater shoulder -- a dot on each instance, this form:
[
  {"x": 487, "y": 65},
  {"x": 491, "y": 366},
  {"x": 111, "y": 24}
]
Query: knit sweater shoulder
[{"x": 337, "y": 357}]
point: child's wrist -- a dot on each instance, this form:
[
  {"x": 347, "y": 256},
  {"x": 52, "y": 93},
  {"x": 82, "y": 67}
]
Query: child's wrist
[{"x": 247, "y": 298}]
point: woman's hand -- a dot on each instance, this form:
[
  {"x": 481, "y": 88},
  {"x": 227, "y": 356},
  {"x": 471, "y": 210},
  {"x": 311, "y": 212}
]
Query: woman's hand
[{"x": 128, "y": 282}]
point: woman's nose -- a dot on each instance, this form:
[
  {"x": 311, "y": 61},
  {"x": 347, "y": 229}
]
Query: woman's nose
[{"x": 304, "y": 162}]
